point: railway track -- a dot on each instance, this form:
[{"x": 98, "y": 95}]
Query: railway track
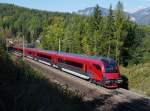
[{"x": 119, "y": 99}]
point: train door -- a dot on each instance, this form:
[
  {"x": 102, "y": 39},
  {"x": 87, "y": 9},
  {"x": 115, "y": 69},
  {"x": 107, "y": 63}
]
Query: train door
[
  {"x": 53, "y": 59},
  {"x": 97, "y": 71},
  {"x": 34, "y": 54}
]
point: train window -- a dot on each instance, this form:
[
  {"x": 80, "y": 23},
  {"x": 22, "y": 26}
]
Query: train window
[
  {"x": 110, "y": 66},
  {"x": 60, "y": 60},
  {"x": 21, "y": 50},
  {"x": 97, "y": 66},
  {"x": 44, "y": 56},
  {"x": 75, "y": 64},
  {"x": 30, "y": 53}
]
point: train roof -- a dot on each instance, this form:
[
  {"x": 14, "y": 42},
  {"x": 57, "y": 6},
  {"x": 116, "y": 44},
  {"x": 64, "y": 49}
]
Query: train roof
[
  {"x": 80, "y": 56},
  {"x": 100, "y": 58},
  {"x": 42, "y": 50}
]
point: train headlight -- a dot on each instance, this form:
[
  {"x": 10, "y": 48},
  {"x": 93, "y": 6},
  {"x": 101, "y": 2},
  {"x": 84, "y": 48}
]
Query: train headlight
[
  {"x": 119, "y": 81},
  {"x": 107, "y": 82}
]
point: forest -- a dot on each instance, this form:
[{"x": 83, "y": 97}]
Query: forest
[{"x": 113, "y": 36}]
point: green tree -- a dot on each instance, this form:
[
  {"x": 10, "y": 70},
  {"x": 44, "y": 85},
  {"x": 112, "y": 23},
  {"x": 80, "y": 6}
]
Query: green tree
[
  {"x": 146, "y": 44},
  {"x": 52, "y": 33},
  {"x": 109, "y": 34},
  {"x": 96, "y": 31},
  {"x": 120, "y": 32},
  {"x": 96, "y": 19}
]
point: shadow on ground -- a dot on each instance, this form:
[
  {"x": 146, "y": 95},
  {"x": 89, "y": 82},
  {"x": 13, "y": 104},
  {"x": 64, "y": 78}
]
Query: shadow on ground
[
  {"x": 125, "y": 82},
  {"x": 133, "y": 105},
  {"x": 21, "y": 89},
  {"x": 40, "y": 95}
]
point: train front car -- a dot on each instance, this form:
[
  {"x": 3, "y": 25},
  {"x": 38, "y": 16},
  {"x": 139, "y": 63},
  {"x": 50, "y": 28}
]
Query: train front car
[{"x": 111, "y": 74}]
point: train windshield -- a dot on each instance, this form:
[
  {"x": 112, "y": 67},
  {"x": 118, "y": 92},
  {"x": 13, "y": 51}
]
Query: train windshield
[{"x": 110, "y": 66}]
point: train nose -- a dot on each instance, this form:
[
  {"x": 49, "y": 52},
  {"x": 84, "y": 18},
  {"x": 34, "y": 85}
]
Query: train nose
[
  {"x": 112, "y": 76},
  {"x": 119, "y": 81}
]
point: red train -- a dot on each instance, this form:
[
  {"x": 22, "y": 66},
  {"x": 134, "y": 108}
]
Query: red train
[{"x": 100, "y": 70}]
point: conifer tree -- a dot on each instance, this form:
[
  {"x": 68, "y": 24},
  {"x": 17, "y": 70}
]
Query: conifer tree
[
  {"x": 96, "y": 28},
  {"x": 120, "y": 32},
  {"x": 109, "y": 32}
]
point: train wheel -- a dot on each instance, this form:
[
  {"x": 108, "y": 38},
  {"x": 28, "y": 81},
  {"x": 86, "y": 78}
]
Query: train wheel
[
  {"x": 91, "y": 80},
  {"x": 59, "y": 68}
]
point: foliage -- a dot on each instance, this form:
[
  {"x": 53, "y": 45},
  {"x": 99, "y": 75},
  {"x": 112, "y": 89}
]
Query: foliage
[
  {"x": 24, "y": 89},
  {"x": 53, "y": 33},
  {"x": 29, "y": 22},
  {"x": 113, "y": 36},
  {"x": 2, "y": 40},
  {"x": 146, "y": 44},
  {"x": 138, "y": 77}
]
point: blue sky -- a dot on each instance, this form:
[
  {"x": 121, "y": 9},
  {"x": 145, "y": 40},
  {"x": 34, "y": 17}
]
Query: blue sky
[{"x": 74, "y": 5}]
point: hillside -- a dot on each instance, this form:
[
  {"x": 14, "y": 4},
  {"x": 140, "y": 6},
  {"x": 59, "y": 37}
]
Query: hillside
[
  {"x": 119, "y": 38},
  {"x": 30, "y": 22},
  {"x": 23, "y": 89},
  {"x": 90, "y": 35},
  {"x": 138, "y": 78}
]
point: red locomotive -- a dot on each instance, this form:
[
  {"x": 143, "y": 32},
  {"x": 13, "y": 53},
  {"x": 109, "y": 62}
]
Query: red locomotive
[{"x": 100, "y": 70}]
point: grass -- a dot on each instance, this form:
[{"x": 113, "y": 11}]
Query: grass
[
  {"x": 23, "y": 89},
  {"x": 138, "y": 77}
]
